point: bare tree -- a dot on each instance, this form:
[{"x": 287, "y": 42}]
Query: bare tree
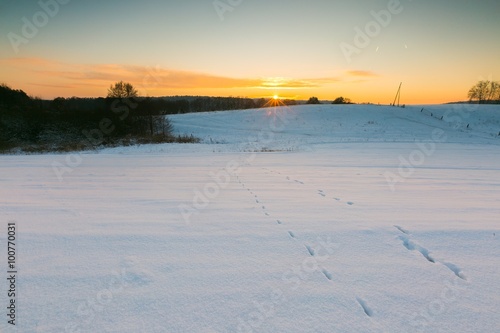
[
  {"x": 485, "y": 91},
  {"x": 494, "y": 91},
  {"x": 122, "y": 90},
  {"x": 479, "y": 91}
]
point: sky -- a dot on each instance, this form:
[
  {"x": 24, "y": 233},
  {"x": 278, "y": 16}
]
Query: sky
[{"x": 359, "y": 49}]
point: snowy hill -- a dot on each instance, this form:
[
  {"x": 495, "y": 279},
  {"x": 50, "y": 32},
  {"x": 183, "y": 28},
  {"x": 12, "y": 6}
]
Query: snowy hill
[
  {"x": 347, "y": 123},
  {"x": 303, "y": 127},
  {"x": 326, "y": 218}
]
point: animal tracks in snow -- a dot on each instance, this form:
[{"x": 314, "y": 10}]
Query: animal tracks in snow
[
  {"x": 324, "y": 195},
  {"x": 310, "y": 250},
  {"x": 317, "y": 253},
  {"x": 321, "y": 251},
  {"x": 288, "y": 178},
  {"x": 255, "y": 197},
  {"x": 368, "y": 311},
  {"x": 291, "y": 179},
  {"x": 326, "y": 246},
  {"x": 411, "y": 245},
  {"x": 404, "y": 231},
  {"x": 327, "y": 274},
  {"x": 455, "y": 269}
]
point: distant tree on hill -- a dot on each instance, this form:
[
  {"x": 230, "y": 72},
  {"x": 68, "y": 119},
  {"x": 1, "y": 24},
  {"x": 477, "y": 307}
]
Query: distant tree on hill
[
  {"x": 485, "y": 91},
  {"x": 289, "y": 102},
  {"x": 313, "y": 100},
  {"x": 122, "y": 90},
  {"x": 342, "y": 100}
]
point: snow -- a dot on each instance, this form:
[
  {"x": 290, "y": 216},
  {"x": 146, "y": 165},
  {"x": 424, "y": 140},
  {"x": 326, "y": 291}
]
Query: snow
[{"x": 357, "y": 218}]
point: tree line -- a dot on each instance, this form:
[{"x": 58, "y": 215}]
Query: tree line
[
  {"x": 338, "y": 100},
  {"x": 68, "y": 124},
  {"x": 120, "y": 118}
]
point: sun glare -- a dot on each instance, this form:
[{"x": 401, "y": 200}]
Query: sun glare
[{"x": 274, "y": 103}]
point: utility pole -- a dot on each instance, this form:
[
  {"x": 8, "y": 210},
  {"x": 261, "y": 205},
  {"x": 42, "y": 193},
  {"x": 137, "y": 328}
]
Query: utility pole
[{"x": 398, "y": 95}]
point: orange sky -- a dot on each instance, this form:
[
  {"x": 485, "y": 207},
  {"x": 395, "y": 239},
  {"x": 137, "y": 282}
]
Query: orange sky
[
  {"x": 292, "y": 48},
  {"x": 49, "y": 79}
]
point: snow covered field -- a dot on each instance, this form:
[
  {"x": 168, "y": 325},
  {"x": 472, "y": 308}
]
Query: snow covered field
[{"x": 305, "y": 219}]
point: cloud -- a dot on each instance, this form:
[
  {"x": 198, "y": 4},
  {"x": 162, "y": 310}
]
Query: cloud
[
  {"x": 141, "y": 76},
  {"x": 58, "y": 86},
  {"x": 286, "y": 83},
  {"x": 360, "y": 73},
  {"x": 27, "y": 62},
  {"x": 148, "y": 80}
]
